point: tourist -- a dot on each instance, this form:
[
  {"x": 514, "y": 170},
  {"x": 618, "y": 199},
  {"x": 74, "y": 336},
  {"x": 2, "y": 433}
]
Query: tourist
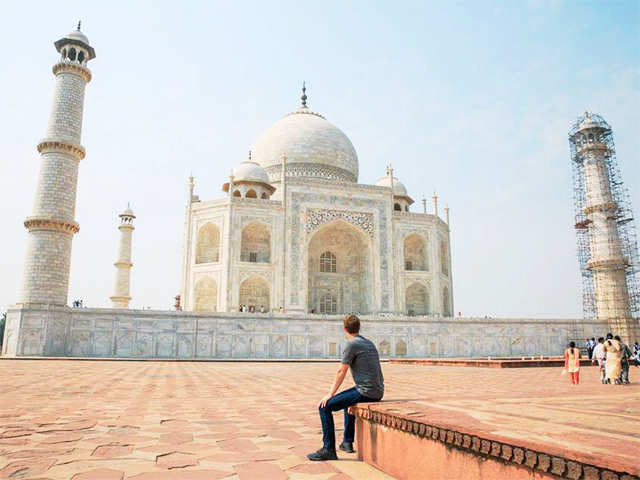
[
  {"x": 589, "y": 346},
  {"x": 636, "y": 354},
  {"x": 262, "y": 309},
  {"x": 361, "y": 356},
  {"x": 572, "y": 363},
  {"x": 613, "y": 364},
  {"x": 599, "y": 355},
  {"x": 624, "y": 363}
]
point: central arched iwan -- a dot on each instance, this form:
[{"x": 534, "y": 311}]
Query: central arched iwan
[
  {"x": 340, "y": 270},
  {"x": 256, "y": 243}
]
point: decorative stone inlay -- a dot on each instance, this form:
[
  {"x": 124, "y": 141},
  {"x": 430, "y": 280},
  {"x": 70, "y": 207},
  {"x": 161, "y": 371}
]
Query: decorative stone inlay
[
  {"x": 42, "y": 223},
  {"x": 314, "y": 170},
  {"x": 482, "y": 447},
  {"x": 67, "y": 66},
  {"x": 318, "y": 217},
  {"x": 293, "y": 213},
  {"x": 54, "y": 145}
]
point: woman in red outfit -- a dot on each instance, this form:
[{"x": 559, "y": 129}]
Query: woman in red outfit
[{"x": 572, "y": 363}]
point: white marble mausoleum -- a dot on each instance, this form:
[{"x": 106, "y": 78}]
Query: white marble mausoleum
[{"x": 296, "y": 232}]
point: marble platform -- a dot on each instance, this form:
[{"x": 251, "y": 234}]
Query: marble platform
[{"x": 90, "y": 332}]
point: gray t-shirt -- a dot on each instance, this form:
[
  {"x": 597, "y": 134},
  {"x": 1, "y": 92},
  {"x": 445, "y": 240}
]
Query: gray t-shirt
[{"x": 362, "y": 357}]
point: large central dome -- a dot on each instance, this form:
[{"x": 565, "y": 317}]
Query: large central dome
[{"x": 313, "y": 146}]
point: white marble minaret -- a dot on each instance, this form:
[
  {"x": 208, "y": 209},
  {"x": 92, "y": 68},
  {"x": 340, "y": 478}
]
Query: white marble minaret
[
  {"x": 52, "y": 223},
  {"x": 121, "y": 297},
  {"x": 591, "y": 138}
]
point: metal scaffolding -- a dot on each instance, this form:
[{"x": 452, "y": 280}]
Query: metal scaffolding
[{"x": 605, "y": 229}]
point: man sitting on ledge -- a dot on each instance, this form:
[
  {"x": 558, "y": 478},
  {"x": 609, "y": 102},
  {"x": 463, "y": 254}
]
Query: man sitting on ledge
[{"x": 362, "y": 357}]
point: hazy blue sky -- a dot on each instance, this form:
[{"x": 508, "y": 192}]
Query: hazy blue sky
[{"x": 473, "y": 99}]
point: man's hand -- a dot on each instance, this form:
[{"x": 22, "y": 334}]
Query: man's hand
[{"x": 323, "y": 403}]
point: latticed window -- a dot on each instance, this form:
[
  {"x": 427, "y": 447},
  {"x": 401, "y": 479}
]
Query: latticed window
[
  {"x": 408, "y": 265},
  {"x": 328, "y": 302},
  {"x": 328, "y": 262},
  {"x": 253, "y": 257}
]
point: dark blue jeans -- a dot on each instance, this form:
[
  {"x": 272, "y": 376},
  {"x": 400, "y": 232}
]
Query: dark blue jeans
[{"x": 342, "y": 400}]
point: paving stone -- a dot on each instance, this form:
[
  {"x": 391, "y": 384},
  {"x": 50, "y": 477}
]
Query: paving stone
[
  {"x": 176, "y": 460},
  {"x": 100, "y": 474}
]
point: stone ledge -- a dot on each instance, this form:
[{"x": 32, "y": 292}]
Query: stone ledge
[
  {"x": 513, "y": 362},
  {"x": 484, "y": 447}
]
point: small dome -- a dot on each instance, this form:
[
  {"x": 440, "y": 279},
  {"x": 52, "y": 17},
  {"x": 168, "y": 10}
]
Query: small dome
[
  {"x": 128, "y": 212},
  {"x": 399, "y": 189},
  {"x": 78, "y": 36},
  {"x": 249, "y": 171}
]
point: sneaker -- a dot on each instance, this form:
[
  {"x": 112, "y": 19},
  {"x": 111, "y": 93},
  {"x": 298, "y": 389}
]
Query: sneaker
[
  {"x": 347, "y": 447},
  {"x": 322, "y": 455}
]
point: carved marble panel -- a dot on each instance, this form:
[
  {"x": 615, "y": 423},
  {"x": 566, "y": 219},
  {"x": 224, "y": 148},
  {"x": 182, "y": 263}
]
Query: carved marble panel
[
  {"x": 164, "y": 344},
  {"x": 102, "y": 343},
  {"x": 185, "y": 345},
  {"x": 144, "y": 344}
]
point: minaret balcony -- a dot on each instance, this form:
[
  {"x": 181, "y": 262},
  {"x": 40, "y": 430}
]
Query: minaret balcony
[
  {"x": 615, "y": 263},
  {"x": 607, "y": 207},
  {"x": 53, "y": 224},
  {"x": 72, "y": 67},
  {"x": 592, "y": 147},
  {"x": 47, "y": 145}
]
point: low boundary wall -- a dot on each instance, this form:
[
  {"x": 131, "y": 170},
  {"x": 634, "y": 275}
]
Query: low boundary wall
[{"x": 89, "y": 332}]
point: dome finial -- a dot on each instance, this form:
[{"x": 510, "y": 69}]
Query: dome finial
[
  {"x": 79, "y": 23},
  {"x": 304, "y": 94},
  {"x": 249, "y": 155}
]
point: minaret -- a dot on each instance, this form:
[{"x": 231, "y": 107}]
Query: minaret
[
  {"x": 123, "y": 264},
  {"x": 52, "y": 223},
  {"x": 604, "y": 225}
]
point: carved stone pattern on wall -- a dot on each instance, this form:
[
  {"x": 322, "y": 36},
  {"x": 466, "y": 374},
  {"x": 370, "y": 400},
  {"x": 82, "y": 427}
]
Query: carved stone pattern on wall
[
  {"x": 298, "y": 199},
  {"x": 266, "y": 219},
  {"x": 318, "y": 217},
  {"x": 264, "y": 274},
  {"x": 311, "y": 170}
]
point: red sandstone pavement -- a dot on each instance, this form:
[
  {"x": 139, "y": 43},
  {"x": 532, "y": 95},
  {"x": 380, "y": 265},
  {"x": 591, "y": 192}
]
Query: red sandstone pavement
[{"x": 204, "y": 420}]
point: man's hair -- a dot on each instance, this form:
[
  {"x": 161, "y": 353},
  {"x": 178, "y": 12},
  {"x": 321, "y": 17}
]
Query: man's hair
[
  {"x": 609, "y": 336},
  {"x": 601, "y": 340},
  {"x": 351, "y": 324},
  {"x": 617, "y": 337}
]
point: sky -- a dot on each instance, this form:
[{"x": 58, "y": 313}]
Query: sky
[{"x": 471, "y": 99}]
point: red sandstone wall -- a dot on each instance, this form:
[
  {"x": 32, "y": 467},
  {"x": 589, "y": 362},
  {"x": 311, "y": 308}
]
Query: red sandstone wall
[{"x": 409, "y": 457}]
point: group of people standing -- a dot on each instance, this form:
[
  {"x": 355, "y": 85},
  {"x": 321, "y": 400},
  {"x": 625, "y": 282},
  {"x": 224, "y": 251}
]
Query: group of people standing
[{"x": 613, "y": 356}]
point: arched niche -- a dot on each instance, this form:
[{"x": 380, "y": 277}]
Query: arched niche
[
  {"x": 446, "y": 302},
  {"x": 444, "y": 258},
  {"x": 208, "y": 244},
  {"x": 256, "y": 243},
  {"x": 417, "y": 299},
  {"x": 415, "y": 252},
  {"x": 339, "y": 266},
  {"x": 254, "y": 292},
  {"x": 206, "y": 295}
]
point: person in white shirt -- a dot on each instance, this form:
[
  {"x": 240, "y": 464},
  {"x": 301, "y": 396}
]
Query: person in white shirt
[{"x": 599, "y": 356}]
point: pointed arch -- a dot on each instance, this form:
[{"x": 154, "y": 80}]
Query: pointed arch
[
  {"x": 339, "y": 266},
  {"x": 446, "y": 302},
  {"x": 254, "y": 292},
  {"x": 208, "y": 244},
  {"x": 256, "y": 243},
  {"x": 251, "y": 193},
  {"x": 415, "y": 252},
  {"x": 206, "y": 295},
  {"x": 444, "y": 258},
  {"x": 417, "y": 299}
]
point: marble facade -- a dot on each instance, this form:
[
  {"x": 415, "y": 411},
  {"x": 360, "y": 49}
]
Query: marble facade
[{"x": 87, "y": 332}]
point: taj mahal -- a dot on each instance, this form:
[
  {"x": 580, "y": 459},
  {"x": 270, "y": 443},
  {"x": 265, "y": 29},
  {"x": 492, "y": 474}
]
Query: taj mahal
[
  {"x": 297, "y": 233},
  {"x": 269, "y": 267}
]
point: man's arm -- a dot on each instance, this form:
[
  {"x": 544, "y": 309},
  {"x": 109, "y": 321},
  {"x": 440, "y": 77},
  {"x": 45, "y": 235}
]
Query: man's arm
[{"x": 340, "y": 374}]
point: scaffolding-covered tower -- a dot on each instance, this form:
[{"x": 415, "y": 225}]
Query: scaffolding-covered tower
[{"x": 606, "y": 235}]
